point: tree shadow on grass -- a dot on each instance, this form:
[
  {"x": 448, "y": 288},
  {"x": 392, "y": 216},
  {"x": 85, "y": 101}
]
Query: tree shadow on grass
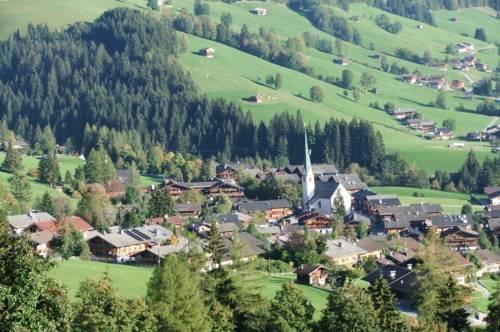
[
  {"x": 414, "y": 102},
  {"x": 299, "y": 95}
]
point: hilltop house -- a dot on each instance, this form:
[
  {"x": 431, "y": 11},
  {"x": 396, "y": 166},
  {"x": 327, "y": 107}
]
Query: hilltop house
[
  {"x": 464, "y": 47},
  {"x": 493, "y": 194},
  {"x": 207, "y": 52},
  {"x": 259, "y": 11},
  {"x": 403, "y": 113}
]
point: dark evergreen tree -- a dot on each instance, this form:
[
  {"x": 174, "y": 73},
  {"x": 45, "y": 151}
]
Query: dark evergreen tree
[
  {"x": 160, "y": 204},
  {"x": 48, "y": 170},
  {"x": 387, "y": 314},
  {"x": 290, "y": 310},
  {"x": 12, "y": 162},
  {"x": 47, "y": 205}
]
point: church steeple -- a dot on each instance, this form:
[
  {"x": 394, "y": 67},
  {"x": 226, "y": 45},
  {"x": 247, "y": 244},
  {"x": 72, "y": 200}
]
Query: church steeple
[{"x": 308, "y": 187}]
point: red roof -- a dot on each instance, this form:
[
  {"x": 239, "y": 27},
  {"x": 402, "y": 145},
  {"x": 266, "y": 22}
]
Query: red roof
[
  {"x": 48, "y": 225},
  {"x": 175, "y": 220},
  {"x": 80, "y": 224}
]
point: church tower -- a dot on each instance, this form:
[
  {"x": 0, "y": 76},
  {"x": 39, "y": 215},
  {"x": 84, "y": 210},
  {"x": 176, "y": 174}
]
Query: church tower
[{"x": 308, "y": 187}]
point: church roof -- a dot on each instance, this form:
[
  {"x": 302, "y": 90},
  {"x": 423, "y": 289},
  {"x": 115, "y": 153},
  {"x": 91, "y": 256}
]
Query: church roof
[{"x": 324, "y": 189}]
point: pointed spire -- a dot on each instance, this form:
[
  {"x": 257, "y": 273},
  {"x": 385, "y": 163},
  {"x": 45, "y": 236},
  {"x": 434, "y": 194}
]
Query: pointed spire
[{"x": 307, "y": 160}]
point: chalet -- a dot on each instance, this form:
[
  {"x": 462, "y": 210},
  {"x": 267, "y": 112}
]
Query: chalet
[
  {"x": 437, "y": 83},
  {"x": 469, "y": 61},
  {"x": 273, "y": 209},
  {"x": 208, "y": 52},
  {"x": 270, "y": 232},
  {"x": 372, "y": 247},
  {"x": 259, "y": 11},
  {"x": 417, "y": 216},
  {"x": 227, "y": 228},
  {"x": 240, "y": 219},
  {"x": 403, "y": 113},
  {"x": 188, "y": 209},
  {"x": 315, "y": 221},
  {"x": 375, "y": 202},
  {"x": 402, "y": 282},
  {"x": 460, "y": 239},
  {"x": 475, "y": 136},
  {"x": 41, "y": 242},
  {"x": 439, "y": 66},
  {"x": 209, "y": 188},
  {"x": 493, "y": 194},
  {"x": 230, "y": 170},
  {"x": 427, "y": 126},
  {"x": 121, "y": 246},
  {"x": 313, "y": 275},
  {"x": 258, "y": 99},
  {"x": 251, "y": 248},
  {"x": 444, "y": 223},
  {"x": 343, "y": 253},
  {"x": 114, "y": 188},
  {"x": 343, "y": 61},
  {"x": 464, "y": 47},
  {"x": 457, "y": 85},
  {"x": 403, "y": 251},
  {"x": 360, "y": 199},
  {"x": 176, "y": 221},
  {"x": 442, "y": 134},
  {"x": 490, "y": 262},
  {"x": 355, "y": 19},
  {"x": 411, "y": 78},
  {"x": 154, "y": 255},
  {"x": 19, "y": 223},
  {"x": 47, "y": 225},
  {"x": 481, "y": 66}
]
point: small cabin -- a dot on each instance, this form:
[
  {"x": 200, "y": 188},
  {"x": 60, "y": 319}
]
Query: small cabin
[
  {"x": 208, "y": 52},
  {"x": 341, "y": 61},
  {"x": 259, "y": 11},
  {"x": 258, "y": 99}
]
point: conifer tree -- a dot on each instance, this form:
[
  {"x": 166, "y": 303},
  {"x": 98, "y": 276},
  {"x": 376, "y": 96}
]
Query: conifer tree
[
  {"x": 349, "y": 308},
  {"x": 21, "y": 189},
  {"x": 215, "y": 245},
  {"x": 452, "y": 307},
  {"x": 47, "y": 205},
  {"x": 493, "y": 318},
  {"x": 12, "y": 162},
  {"x": 388, "y": 316},
  {"x": 160, "y": 204},
  {"x": 48, "y": 170},
  {"x": 175, "y": 299},
  {"x": 290, "y": 310}
]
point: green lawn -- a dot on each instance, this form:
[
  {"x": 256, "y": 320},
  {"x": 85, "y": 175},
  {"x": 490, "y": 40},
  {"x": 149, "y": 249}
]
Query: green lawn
[
  {"x": 130, "y": 281},
  {"x": 480, "y": 302},
  {"x": 450, "y": 201},
  {"x": 489, "y": 283}
]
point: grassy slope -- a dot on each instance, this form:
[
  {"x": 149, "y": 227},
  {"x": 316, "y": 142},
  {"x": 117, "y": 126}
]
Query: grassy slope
[
  {"x": 55, "y": 13},
  {"x": 451, "y": 202},
  {"x": 244, "y": 71},
  {"x": 468, "y": 20},
  {"x": 66, "y": 163}
]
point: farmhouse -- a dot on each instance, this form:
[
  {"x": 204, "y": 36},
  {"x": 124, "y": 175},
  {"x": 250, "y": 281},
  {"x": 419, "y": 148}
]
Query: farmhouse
[
  {"x": 20, "y": 222},
  {"x": 372, "y": 247},
  {"x": 442, "y": 134},
  {"x": 259, "y": 11},
  {"x": 311, "y": 275},
  {"x": 457, "y": 85},
  {"x": 41, "y": 242},
  {"x": 188, "y": 209},
  {"x": 464, "y": 47},
  {"x": 403, "y": 113},
  {"x": 210, "y": 188},
  {"x": 493, "y": 194},
  {"x": 460, "y": 239},
  {"x": 490, "y": 262},
  {"x": 208, "y": 52},
  {"x": 343, "y": 253},
  {"x": 481, "y": 66},
  {"x": 375, "y": 202},
  {"x": 316, "y": 221},
  {"x": 258, "y": 99},
  {"x": 273, "y": 209},
  {"x": 343, "y": 61},
  {"x": 444, "y": 223},
  {"x": 411, "y": 78}
]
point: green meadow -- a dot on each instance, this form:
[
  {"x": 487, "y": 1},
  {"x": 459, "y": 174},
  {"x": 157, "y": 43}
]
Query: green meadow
[{"x": 235, "y": 75}]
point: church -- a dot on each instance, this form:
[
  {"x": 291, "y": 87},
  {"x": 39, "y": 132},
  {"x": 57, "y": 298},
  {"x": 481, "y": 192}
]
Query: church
[{"x": 319, "y": 194}]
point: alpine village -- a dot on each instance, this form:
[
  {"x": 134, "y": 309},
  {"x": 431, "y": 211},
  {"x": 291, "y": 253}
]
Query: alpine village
[{"x": 250, "y": 166}]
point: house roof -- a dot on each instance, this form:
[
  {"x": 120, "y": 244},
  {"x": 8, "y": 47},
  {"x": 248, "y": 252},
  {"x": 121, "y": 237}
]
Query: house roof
[
  {"x": 154, "y": 234},
  {"x": 318, "y": 169},
  {"x": 383, "y": 200},
  {"x": 399, "y": 279},
  {"x": 451, "y": 220},
  {"x": 370, "y": 245},
  {"x": 48, "y": 225},
  {"x": 491, "y": 190},
  {"x": 254, "y": 206},
  {"x": 79, "y": 224},
  {"x": 269, "y": 230},
  {"x": 119, "y": 240},
  {"x": 341, "y": 248},
  {"x": 348, "y": 181},
  {"x": 251, "y": 245},
  {"x": 459, "y": 230},
  {"x": 187, "y": 207},
  {"x": 26, "y": 220},
  {"x": 488, "y": 256},
  {"x": 42, "y": 237},
  {"x": 324, "y": 189},
  {"x": 307, "y": 269},
  {"x": 235, "y": 217},
  {"x": 225, "y": 227}
]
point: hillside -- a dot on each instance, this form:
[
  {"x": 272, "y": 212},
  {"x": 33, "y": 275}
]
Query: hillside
[{"x": 235, "y": 75}]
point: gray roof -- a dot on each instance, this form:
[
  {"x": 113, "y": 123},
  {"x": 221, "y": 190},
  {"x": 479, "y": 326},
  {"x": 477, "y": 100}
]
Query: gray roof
[
  {"x": 399, "y": 279},
  {"x": 451, "y": 220},
  {"x": 154, "y": 234},
  {"x": 491, "y": 190},
  {"x": 163, "y": 251},
  {"x": 225, "y": 227},
  {"x": 187, "y": 207},
  {"x": 254, "y": 206},
  {"x": 488, "y": 256},
  {"x": 236, "y": 217},
  {"x": 42, "y": 237},
  {"x": 410, "y": 213},
  {"x": 324, "y": 189},
  {"x": 348, "y": 181},
  {"x": 318, "y": 169},
  {"x": 251, "y": 245},
  {"x": 26, "y": 220},
  {"x": 269, "y": 230},
  {"x": 383, "y": 200},
  {"x": 119, "y": 240},
  {"x": 370, "y": 245},
  {"x": 341, "y": 248}
]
